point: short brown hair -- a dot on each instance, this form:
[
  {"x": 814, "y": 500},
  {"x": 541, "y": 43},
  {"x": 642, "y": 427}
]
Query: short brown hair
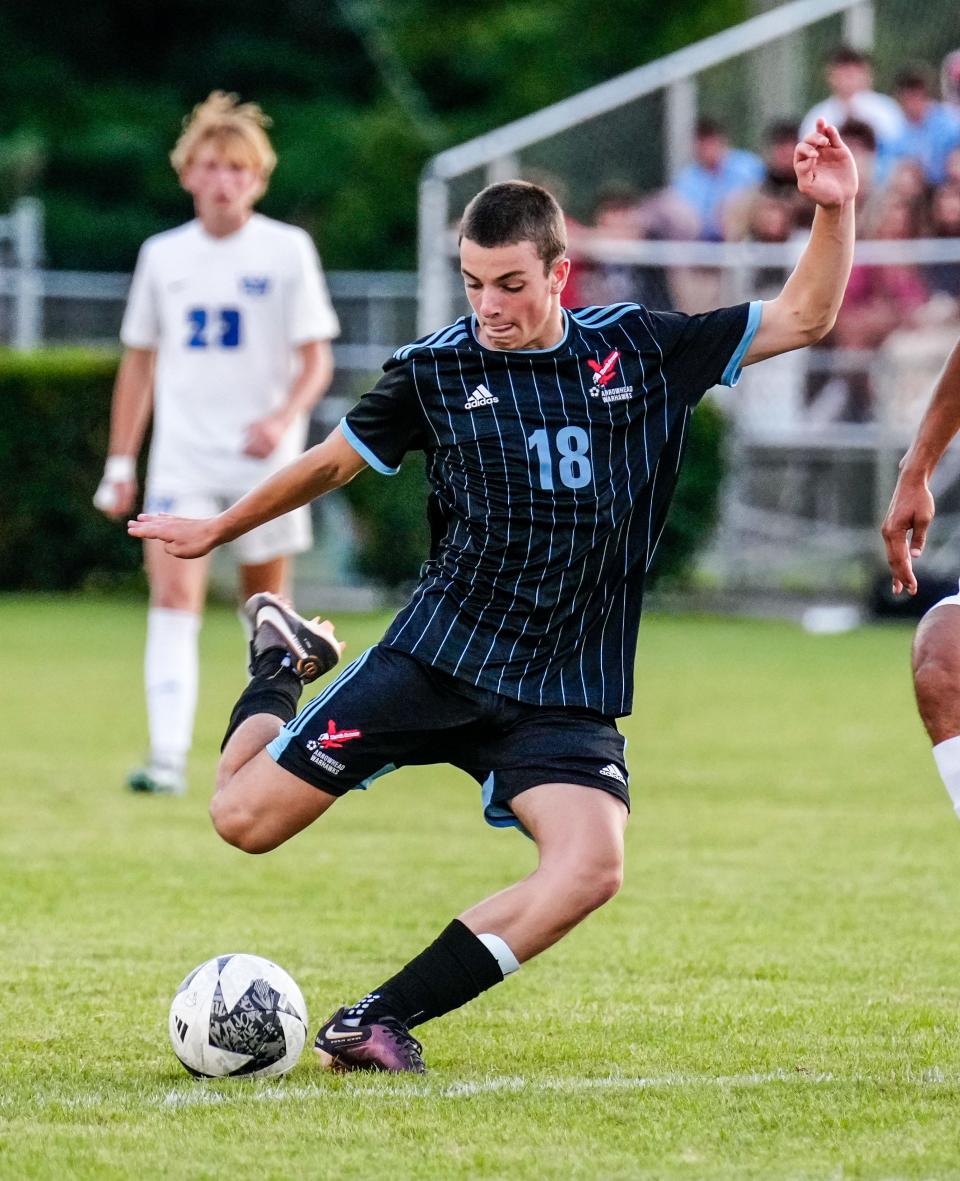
[
  {"x": 517, "y": 211},
  {"x": 236, "y": 128}
]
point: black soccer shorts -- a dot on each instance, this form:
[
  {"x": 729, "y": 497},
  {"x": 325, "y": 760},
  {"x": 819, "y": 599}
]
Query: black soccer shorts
[{"x": 388, "y": 710}]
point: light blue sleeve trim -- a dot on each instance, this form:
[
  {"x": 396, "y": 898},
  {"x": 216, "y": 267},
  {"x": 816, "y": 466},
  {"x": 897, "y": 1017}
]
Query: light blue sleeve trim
[
  {"x": 364, "y": 451},
  {"x": 731, "y": 375}
]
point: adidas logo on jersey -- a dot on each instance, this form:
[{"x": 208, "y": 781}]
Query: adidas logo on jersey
[
  {"x": 481, "y": 396},
  {"x": 612, "y": 771}
]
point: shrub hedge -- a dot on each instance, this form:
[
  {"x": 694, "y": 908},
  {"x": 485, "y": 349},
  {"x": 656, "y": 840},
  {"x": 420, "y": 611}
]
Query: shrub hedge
[{"x": 53, "y": 437}]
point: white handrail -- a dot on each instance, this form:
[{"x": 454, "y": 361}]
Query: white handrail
[{"x": 634, "y": 84}]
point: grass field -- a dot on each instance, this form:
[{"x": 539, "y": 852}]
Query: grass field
[{"x": 774, "y": 994}]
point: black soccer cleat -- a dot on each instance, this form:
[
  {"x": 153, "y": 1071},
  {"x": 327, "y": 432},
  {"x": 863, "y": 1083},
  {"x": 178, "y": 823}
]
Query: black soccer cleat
[
  {"x": 275, "y": 624},
  {"x": 385, "y": 1044}
]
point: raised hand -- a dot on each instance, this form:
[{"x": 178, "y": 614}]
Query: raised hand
[
  {"x": 183, "y": 537},
  {"x": 825, "y": 168}
]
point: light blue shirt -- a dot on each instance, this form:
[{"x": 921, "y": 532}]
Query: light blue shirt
[
  {"x": 930, "y": 142},
  {"x": 706, "y": 191}
]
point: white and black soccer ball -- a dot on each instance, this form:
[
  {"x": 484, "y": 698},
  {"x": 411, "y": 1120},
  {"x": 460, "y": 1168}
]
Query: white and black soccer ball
[{"x": 238, "y": 1015}]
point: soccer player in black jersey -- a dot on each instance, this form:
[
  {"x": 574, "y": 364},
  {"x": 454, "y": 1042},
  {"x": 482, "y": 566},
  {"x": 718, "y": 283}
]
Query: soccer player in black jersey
[{"x": 552, "y": 441}]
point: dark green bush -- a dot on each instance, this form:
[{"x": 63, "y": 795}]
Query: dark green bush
[
  {"x": 391, "y": 520},
  {"x": 53, "y": 439},
  {"x": 696, "y": 503}
]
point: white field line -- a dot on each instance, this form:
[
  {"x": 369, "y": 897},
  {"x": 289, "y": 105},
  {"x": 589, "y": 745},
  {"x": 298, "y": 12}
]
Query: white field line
[
  {"x": 198, "y": 1093},
  {"x": 278, "y": 1092}
]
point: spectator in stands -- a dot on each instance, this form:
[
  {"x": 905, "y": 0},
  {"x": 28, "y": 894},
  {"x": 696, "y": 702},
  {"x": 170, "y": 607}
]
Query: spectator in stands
[
  {"x": 878, "y": 299},
  {"x": 950, "y": 78},
  {"x": 716, "y": 174},
  {"x": 931, "y": 129},
  {"x": 620, "y": 216},
  {"x": 615, "y": 218},
  {"x": 944, "y": 223},
  {"x": 860, "y": 138},
  {"x": 780, "y": 139},
  {"x": 952, "y": 168},
  {"x": 850, "y": 78},
  {"x": 908, "y": 180}
]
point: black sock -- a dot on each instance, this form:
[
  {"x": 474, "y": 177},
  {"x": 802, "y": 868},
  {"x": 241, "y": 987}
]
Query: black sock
[
  {"x": 454, "y": 969},
  {"x": 274, "y": 688}
]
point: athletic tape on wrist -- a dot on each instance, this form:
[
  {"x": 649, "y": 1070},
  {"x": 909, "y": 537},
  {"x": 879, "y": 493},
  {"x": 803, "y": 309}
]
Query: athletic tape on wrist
[{"x": 119, "y": 469}]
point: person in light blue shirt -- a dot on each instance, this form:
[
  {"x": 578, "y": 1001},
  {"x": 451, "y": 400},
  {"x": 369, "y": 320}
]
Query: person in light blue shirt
[
  {"x": 931, "y": 130},
  {"x": 716, "y": 174}
]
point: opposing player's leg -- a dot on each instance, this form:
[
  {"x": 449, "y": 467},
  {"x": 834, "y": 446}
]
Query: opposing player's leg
[
  {"x": 257, "y": 577},
  {"x": 171, "y": 667},
  {"x": 579, "y": 835},
  {"x": 936, "y": 679},
  {"x": 257, "y": 804}
]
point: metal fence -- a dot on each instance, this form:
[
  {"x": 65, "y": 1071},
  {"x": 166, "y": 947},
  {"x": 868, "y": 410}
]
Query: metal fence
[{"x": 377, "y": 310}]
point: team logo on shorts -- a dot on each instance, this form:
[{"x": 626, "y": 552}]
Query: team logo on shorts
[{"x": 334, "y": 738}]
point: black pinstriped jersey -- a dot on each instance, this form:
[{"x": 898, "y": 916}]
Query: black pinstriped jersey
[{"x": 551, "y": 473}]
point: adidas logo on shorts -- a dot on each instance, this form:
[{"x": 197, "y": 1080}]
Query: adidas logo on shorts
[
  {"x": 612, "y": 771},
  {"x": 481, "y": 396}
]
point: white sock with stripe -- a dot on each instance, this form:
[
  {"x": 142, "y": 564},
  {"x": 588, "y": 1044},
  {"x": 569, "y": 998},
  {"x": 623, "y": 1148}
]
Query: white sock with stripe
[{"x": 501, "y": 953}]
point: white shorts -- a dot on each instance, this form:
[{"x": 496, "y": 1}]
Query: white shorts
[
  {"x": 948, "y": 601},
  {"x": 280, "y": 538}
]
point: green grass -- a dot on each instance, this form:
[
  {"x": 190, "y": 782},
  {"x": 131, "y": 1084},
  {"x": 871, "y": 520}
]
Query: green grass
[{"x": 774, "y": 994}]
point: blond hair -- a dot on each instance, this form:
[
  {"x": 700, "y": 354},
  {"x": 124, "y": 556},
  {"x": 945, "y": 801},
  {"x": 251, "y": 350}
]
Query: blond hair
[{"x": 236, "y": 128}]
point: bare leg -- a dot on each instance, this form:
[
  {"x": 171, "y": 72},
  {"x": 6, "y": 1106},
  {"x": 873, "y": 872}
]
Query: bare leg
[
  {"x": 265, "y": 576},
  {"x": 936, "y": 672},
  {"x": 175, "y": 583},
  {"x": 579, "y": 836},
  {"x": 259, "y": 805}
]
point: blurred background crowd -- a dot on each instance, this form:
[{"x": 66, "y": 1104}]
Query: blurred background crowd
[{"x": 907, "y": 148}]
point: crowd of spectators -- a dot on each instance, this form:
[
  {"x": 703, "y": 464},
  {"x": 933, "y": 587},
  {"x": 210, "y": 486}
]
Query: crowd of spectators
[{"x": 907, "y": 148}]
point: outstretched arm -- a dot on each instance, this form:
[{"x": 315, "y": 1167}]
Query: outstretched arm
[
  {"x": 911, "y": 508},
  {"x": 329, "y": 465},
  {"x": 806, "y": 308}
]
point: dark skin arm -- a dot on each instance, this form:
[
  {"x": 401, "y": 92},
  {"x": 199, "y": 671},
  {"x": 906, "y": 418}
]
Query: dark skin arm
[{"x": 911, "y": 508}]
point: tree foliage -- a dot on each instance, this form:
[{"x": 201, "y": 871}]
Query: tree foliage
[{"x": 361, "y": 93}]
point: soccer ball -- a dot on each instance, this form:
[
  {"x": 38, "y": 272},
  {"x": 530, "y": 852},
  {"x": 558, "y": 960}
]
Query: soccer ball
[{"x": 238, "y": 1014}]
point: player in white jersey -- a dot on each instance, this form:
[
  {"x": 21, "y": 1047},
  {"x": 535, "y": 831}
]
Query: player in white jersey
[{"x": 227, "y": 336}]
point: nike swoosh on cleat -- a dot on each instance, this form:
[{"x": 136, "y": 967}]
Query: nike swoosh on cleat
[{"x": 330, "y": 1035}]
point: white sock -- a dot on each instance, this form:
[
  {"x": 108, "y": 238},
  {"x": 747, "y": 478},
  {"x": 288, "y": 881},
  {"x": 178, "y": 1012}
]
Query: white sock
[
  {"x": 170, "y": 677},
  {"x": 947, "y": 756},
  {"x": 501, "y": 953}
]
